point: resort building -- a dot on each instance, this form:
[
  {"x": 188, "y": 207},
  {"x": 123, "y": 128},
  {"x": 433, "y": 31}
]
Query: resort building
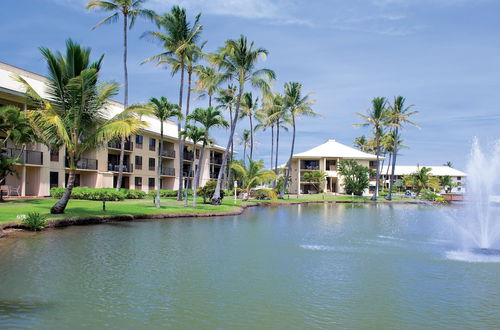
[
  {"x": 326, "y": 157},
  {"x": 458, "y": 177},
  {"x": 42, "y": 169}
]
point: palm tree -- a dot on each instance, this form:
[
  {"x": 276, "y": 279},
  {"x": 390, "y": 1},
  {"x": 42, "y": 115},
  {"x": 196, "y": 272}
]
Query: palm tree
[
  {"x": 237, "y": 59},
  {"x": 208, "y": 118},
  {"x": 252, "y": 174},
  {"x": 208, "y": 82},
  {"x": 361, "y": 142},
  {"x": 399, "y": 115},
  {"x": 297, "y": 106},
  {"x": 244, "y": 140},
  {"x": 249, "y": 106},
  {"x": 446, "y": 182},
  {"x": 74, "y": 115},
  {"x": 226, "y": 99},
  {"x": 129, "y": 9},
  {"x": 179, "y": 38},
  {"x": 421, "y": 179},
  {"x": 196, "y": 135},
  {"x": 449, "y": 164},
  {"x": 376, "y": 118},
  {"x": 162, "y": 110}
]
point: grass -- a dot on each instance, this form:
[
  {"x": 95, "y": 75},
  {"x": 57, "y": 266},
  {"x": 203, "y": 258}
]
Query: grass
[
  {"x": 327, "y": 197},
  {"x": 81, "y": 208}
]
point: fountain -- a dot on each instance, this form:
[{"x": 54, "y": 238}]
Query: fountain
[{"x": 477, "y": 223}]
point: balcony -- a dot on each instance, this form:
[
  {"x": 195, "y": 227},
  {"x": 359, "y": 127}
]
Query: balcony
[
  {"x": 26, "y": 157},
  {"x": 188, "y": 156},
  {"x": 167, "y": 153},
  {"x": 116, "y": 167},
  {"x": 214, "y": 175},
  {"x": 216, "y": 160},
  {"x": 129, "y": 146},
  {"x": 168, "y": 171},
  {"x": 84, "y": 164},
  {"x": 309, "y": 167},
  {"x": 187, "y": 174}
]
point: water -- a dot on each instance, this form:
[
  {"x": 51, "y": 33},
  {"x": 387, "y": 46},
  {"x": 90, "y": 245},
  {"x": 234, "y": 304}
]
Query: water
[
  {"x": 315, "y": 266},
  {"x": 477, "y": 224}
]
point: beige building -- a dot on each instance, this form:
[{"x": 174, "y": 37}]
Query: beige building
[
  {"x": 325, "y": 157},
  {"x": 42, "y": 168}
]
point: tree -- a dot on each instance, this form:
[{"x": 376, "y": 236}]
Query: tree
[
  {"x": 162, "y": 110},
  {"x": 227, "y": 99},
  {"x": 449, "y": 164},
  {"x": 128, "y": 9},
  {"x": 376, "y": 118},
  {"x": 208, "y": 118},
  {"x": 421, "y": 179},
  {"x": 237, "y": 60},
  {"x": 252, "y": 174},
  {"x": 298, "y": 106},
  {"x": 179, "y": 38},
  {"x": 209, "y": 81},
  {"x": 446, "y": 183},
  {"x": 398, "y": 116},
  {"x": 244, "y": 140},
  {"x": 355, "y": 177},
  {"x": 196, "y": 135},
  {"x": 316, "y": 178},
  {"x": 74, "y": 115},
  {"x": 249, "y": 106}
]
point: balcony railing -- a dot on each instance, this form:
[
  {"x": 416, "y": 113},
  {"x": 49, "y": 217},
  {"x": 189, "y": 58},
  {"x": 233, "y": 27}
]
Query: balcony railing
[
  {"x": 116, "y": 167},
  {"x": 168, "y": 153},
  {"x": 27, "y": 156},
  {"x": 216, "y": 160},
  {"x": 129, "y": 146},
  {"x": 170, "y": 171},
  {"x": 84, "y": 164},
  {"x": 187, "y": 174},
  {"x": 310, "y": 167},
  {"x": 188, "y": 155}
]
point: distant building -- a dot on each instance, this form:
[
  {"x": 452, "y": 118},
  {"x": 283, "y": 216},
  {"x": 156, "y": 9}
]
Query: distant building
[
  {"x": 326, "y": 157},
  {"x": 457, "y": 176}
]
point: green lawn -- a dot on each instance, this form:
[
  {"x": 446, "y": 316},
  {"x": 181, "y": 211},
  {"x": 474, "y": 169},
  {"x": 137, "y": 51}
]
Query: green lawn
[
  {"x": 327, "y": 197},
  {"x": 81, "y": 208}
]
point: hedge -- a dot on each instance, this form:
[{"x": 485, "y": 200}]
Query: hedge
[
  {"x": 99, "y": 194},
  {"x": 168, "y": 193}
]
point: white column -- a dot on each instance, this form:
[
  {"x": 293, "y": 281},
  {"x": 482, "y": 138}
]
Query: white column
[{"x": 23, "y": 181}]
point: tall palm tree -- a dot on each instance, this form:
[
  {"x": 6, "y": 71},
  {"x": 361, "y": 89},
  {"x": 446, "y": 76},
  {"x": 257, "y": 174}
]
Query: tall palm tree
[
  {"x": 74, "y": 116},
  {"x": 244, "y": 140},
  {"x": 209, "y": 81},
  {"x": 196, "y": 135},
  {"x": 399, "y": 115},
  {"x": 162, "y": 110},
  {"x": 128, "y": 9},
  {"x": 179, "y": 37},
  {"x": 209, "y": 118},
  {"x": 226, "y": 99},
  {"x": 252, "y": 174},
  {"x": 297, "y": 106},
  {"x": 249, "y": 106},
  {"x": 237, "y": 60},
  {"x": 376, "y": 118}
]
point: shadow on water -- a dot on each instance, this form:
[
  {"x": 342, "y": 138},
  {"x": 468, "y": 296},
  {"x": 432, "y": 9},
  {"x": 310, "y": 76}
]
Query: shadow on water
[{"x": 21, "y": 310}]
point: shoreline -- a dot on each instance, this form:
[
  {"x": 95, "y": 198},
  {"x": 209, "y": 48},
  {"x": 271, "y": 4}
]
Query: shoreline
[{"x": 10, "y": 227}]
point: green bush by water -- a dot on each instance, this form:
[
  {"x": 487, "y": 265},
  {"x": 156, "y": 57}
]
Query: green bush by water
[{"x": 33, "y": 220}]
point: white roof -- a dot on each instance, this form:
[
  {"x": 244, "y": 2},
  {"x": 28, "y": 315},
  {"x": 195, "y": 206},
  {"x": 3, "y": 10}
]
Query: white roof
[
  {"x": 435, "y": 170},
  {"x": 38, "y": 82},
  {"x": 334, "y": 149}
]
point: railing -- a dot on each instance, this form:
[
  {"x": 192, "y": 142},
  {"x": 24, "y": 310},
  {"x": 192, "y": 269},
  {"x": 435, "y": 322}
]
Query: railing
[
  {"x": 216, "y": 160},
  {"x": 84, "y": 164},
  {"x": 214, "y": 175},
  {"x": 27, "y": 156},
  {"x": 170, "y": 171},
  {"x": 186, "y": 174},
  {"x": 168, "y": 153},
  {"x": 188, "y": 155},
  {"x": 116, "y": 167},
  {"x": 129, "y": 146},
  {"x": 310, "y": 167}
]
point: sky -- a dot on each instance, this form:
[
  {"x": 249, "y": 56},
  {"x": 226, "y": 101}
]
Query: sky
[{"x": 442, "y": 55}]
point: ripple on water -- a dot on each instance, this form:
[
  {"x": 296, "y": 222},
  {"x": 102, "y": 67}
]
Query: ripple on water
[{"x": 468, "y": 256}]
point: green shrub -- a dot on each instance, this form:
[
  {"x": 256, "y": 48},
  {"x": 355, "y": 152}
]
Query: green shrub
[
  {"x": 208, "y": 190},
  {"x": 33, "y": 220},
  {"x": 440, "y": 199},
  {"x": 265, "y": 194},
  {"x": 168, "y": 193},
  {"x": 134, "y": 194},
  {"x": 429, "y": 195},
  {"x": 94, "y": 194}
]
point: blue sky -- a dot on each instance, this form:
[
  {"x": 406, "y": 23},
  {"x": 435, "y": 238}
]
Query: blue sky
[{"x": 442, "y": 55}]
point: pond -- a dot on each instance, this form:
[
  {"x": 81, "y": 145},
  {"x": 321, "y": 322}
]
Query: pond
[{"x": 302, "y": 266}]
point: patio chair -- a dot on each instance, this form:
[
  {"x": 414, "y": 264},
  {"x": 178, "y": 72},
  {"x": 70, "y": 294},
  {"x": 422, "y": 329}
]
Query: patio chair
[{"x": 14, "y": 190}]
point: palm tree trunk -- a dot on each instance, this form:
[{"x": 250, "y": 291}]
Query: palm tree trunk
[
  {"x": 272, "y": 153},
  {"x": 209, "y": 100},
  {"x": 231, "y": 158},
  {"x": 251, "y": 137},
  {"x": 216, "y": 199},
  {"x": 377, "y": 177},
  {"x": 125, "y": 71},
  {"x": 188, "y": 101},
  {"x": 277, "y": 143},
  {"x": 395, "y": 152},
  {"x": 244, "y": 152},
  {"x": 120, "y": 165},
  {"x": 197, "y": 174},
  {"x": 287, "y": 176},
  {"x": 158, "y": 173},
  {"x": 388, "y": 166},
  {"x": 181, "y": 141},
  {"x": 60, "y": 206},
  {"x": 187, "y": 179}
]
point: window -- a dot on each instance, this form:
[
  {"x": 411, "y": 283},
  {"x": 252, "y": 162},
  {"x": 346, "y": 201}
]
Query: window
[
  {"x": 54, "y": 155},
  {"x": 197, "y": 153},
  {"x": 152, "y": 144},
  {"x": 138, "y": 162},
  {"x": 151, "y": 164},
  {"x": 138, "y": 182},
  {"x": 54, "y": 179},
  {"x": 138, "y": 141},
  {"x": 373, "y": 163},
  {"x": 151, "y": 183},
  {"x": 459, "y": 178}
]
